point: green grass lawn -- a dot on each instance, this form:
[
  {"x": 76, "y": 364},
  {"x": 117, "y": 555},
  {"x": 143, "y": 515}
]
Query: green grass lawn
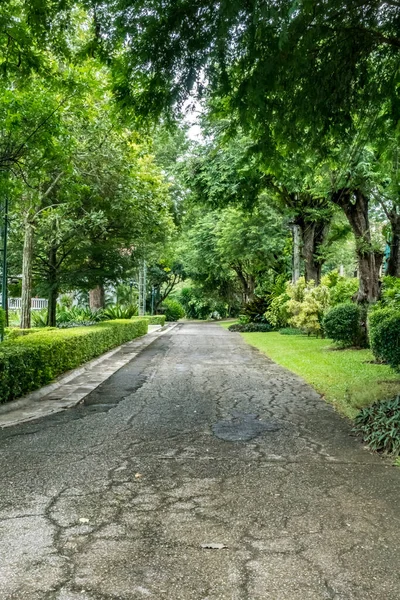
[{"x": 346, "y": 378}]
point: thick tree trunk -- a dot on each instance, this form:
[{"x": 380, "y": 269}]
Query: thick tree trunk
[
  {"x": 296, "y": 253},
  {"x": 97, "y": 297},
  {"x": 313, "y": 236},
  {"x": 393, "y": 265},
  {"x": 355, "y": 206},
  {"x": 27, "y": 257},
  {"x": 53, "y": 289},
  {"x": 248, "y": 285}
]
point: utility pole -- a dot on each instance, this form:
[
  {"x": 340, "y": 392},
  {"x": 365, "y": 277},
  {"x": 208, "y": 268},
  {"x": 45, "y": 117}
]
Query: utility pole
[{"x": 153, "y": 297}]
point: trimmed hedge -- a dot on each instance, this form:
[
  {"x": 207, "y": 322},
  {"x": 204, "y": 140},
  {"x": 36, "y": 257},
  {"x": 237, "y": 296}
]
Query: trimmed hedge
[
  {"x": 384, "y": 337},
  {"x": 15, "y": 332},
  {"x": 157, "y": 320},
  {"x": 31, "y": 361},
  {"x": 343, "y": 324},
  {"x": 153, "y": 319},
  {"x": 378, "y": 315}
]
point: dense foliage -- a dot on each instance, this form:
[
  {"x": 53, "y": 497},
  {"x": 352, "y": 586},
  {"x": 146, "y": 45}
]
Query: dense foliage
[
  {"x": 342, "y": 324},
  {"x": 379, "y": 426},
  {"x": 173, "y": 310},
  {"x": 384, "y": 337}
]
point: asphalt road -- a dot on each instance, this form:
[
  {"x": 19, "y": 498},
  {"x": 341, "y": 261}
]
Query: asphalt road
[{"x": 199, "y": 440}]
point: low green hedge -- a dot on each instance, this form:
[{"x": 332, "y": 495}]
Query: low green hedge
[
  {"x": 157, "y": 320},
  {"x": 153, "y": 319},
  {"x": 31, "y": 361},
  {"x": 15, "y": 332}
]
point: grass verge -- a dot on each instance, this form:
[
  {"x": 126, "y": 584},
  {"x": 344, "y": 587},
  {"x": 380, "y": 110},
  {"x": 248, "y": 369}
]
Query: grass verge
[{"x": 348, "y": 379}]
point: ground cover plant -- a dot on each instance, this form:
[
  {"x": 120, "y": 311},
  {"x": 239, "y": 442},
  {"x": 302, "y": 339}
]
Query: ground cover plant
[
  {"x": 379, "y": 426},
  {"x": 31, "y": 361},
  {"x": 250, "y": 327}
]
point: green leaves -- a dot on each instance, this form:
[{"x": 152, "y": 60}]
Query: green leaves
[{"x": 379, "y": 426}]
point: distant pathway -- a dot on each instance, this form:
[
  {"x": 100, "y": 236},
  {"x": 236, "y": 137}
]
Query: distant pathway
[{"x": 198, "y": 440}]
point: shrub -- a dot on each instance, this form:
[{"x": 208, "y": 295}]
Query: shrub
[
  {"x": 251, "y": 327},
  {"x": 153, "y": 319},
  {"x": 173, "y": 310},
  {"x": 14, "y": 332},
  {"x": 307, "y": 305},
  {"x": 343, "y": 324},
  {"x": 290, "y": 331},
  {"x": 244, "y": 319},
  {"x": 379, "y": 314},
  {"x": 278, "y": 312},
  {"x": 385, "y": 340},
  {"x": 156, "y": 320},
  {"x": 379, "y": 426},
  {"x": 255, "y": 310},
  {"x": 200, "y": 305},
  {"x": 341, "y": 289},
  {"x": 30, "y": 361},
  {"x": 390, "y": 292}
]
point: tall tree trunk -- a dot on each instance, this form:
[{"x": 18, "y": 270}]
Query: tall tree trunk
[
  {"x": 393, "y": 265},
  {"x": 97, "y": 297},
  {"x": 296, "y": 252},
  {"x": 53, "y": 289},
  {"x": 248, "y": 284},
  {"x": 27, "y": 257},
  {"x": 355, "y": 206},
  {"x": 313, "y": 235}
]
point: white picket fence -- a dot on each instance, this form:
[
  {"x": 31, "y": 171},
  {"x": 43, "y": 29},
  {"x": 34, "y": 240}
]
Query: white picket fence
[{"x": 36, "y": 304}]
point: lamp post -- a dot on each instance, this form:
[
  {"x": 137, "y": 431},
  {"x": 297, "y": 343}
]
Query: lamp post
[{"x": 4, "y": 299}]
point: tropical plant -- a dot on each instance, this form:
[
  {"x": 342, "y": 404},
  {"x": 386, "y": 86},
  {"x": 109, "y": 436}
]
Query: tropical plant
[
  {"x": 119, "y": 312},
  {"x": 379, "y": 426}
]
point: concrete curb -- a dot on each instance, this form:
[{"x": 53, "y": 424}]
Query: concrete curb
[{"x": 71, "y": 388}]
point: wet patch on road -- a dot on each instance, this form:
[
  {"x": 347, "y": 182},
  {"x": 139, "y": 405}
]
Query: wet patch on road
[{"x": 242, "y": 427}]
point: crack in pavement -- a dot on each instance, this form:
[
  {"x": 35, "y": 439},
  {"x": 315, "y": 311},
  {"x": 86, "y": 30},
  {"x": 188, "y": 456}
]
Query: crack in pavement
[{"x": 114, "y": 498}]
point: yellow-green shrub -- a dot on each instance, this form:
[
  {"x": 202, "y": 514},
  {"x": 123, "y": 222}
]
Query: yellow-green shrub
[{"x": 307, "y": 305}]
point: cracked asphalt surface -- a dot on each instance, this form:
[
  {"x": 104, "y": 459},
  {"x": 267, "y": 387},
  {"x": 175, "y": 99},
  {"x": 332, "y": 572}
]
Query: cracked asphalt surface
[{"x": 200, "y": 439}]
